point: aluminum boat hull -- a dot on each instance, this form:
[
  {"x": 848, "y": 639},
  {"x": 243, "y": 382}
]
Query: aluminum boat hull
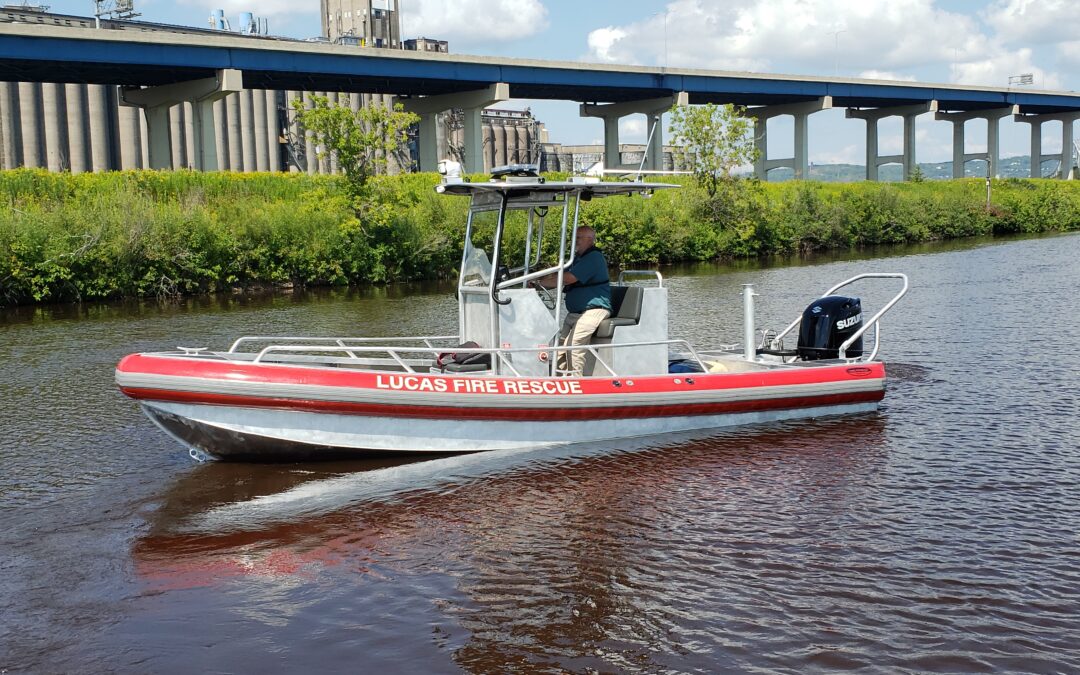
[{"x": 257, "y": 411}]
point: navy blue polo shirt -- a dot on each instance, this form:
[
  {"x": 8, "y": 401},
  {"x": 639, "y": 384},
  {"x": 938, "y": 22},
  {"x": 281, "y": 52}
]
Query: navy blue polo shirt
[{"x": 593, "y": 288}]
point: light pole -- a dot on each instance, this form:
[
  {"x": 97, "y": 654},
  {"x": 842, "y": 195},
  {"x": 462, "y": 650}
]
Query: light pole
[
  {"x": 836, "y": 50},
  {"x": 401, "y": 24},
  {"x": 665, "y": 37}
]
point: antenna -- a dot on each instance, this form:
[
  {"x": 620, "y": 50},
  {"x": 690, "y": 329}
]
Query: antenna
[
  {"x": 648, "y": 144},
  {"x": 113, "y": 9}
]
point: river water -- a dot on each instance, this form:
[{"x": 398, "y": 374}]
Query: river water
[{"x": 941, "y": 533}]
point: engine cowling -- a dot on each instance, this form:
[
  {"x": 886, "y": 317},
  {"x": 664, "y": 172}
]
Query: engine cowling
[{"x": 826, "y": 324}]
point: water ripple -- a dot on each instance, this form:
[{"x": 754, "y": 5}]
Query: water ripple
[{"x": 938, "y": 535}]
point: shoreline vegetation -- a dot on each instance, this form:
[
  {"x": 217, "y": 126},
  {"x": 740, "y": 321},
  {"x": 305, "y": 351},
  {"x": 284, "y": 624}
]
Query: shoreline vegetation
[{"x": 133, "y": 234}]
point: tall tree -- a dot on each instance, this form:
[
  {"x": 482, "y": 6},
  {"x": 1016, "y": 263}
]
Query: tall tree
[
  {"x": 359, "y": 140},
  {"x": 712, "y": 140}
]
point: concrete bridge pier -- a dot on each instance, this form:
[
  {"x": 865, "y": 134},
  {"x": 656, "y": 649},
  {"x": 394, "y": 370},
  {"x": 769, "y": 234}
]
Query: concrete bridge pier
[
  {"x": 872, "y": 116},
  {"x": 429, "y": 151},
  {"x": 156, "y": 101},
  {"x": 10, "y": 138},
  {"x": 54, "y": 111},
  {"x": 104, "y": 127},
  {"x": 473, "y": 104},
  {"x": 204, "y": 127},
  {"x": 77, "y": 115},
  {"x": 1037, "y": 156},
  {"x": 612, "y": 153},
  {"x": 993, "y": 119},
  {"x": 653, "y": 109},
  {"x": 32, "y": 132},
  {"x": 247, "y": 121},
  {"x": 800, "y": 163},
  {"x": 473, "y": 127}
]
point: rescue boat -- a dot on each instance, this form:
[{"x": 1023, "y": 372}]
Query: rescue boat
[{"x": 497, "y": 383}]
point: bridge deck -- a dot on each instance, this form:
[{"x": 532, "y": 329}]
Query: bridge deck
[{"x": 35, "y": 53}]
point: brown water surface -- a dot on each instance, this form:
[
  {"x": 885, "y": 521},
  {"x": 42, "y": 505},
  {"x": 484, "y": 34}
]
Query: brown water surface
[{"x": 939, "y": 534}]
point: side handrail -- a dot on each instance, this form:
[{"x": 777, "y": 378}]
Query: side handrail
[
  {"x": 525, "y": 278},
  {"x": 877, "y": 317},
  {"x": 651, "y": 273},
  {"x": 336, "y": 340},
  {"x": 500, "y": 354},
  {"x": 867, "y": 324}
]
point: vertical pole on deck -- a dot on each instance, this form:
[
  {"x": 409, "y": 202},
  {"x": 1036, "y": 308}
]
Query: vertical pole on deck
[{"x": 749, "y": 350}]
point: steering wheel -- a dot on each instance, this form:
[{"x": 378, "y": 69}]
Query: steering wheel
[{"x": 546, "y": 296}]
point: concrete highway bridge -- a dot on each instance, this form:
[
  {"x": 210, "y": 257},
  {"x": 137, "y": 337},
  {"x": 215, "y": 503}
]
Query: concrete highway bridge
[{"x": 158, "y": 69}]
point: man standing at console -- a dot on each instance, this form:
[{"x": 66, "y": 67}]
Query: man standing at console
[{"x": 588, "y": 298}]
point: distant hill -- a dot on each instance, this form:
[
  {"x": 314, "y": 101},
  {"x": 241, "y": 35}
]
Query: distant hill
[{"x": 1011, "y": 167}]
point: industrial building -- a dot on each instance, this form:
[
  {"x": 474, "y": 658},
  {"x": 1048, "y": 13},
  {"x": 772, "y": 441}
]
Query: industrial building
[
  {"x": 363, "y": 23},
  {"x": 583, "y": 158},
  {"x": 423, "y": 44}
]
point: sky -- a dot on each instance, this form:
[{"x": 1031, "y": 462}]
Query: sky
[{"x": 978, "y": 42}]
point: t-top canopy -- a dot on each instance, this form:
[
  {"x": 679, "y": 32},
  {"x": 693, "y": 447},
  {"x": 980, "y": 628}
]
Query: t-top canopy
[{"x": 537, "y": 187}]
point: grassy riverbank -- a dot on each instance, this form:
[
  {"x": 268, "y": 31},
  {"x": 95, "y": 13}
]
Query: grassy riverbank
[{"x": 145, "y": 233}]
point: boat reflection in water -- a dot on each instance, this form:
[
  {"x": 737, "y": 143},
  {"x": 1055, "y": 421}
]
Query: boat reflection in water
[
  {"x": 227, "y": 520},
  {"x": 600, "y": 557}
]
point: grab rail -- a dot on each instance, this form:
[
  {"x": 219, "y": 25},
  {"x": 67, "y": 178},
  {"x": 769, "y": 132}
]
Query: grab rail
[
  {"x": 525, "y": 278},
  {"x": 340, "y": 341},
  {"x": 867, "y": 324},
  {"x": 502, "y": 355}
]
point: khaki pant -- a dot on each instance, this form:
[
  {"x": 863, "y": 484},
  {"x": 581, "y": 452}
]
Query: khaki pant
[{"x": 576, "y": 330}]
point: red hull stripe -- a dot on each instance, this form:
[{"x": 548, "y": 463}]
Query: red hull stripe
[
  {"x": 517, "y": 414},
  {"x": 241, "y": 372}
]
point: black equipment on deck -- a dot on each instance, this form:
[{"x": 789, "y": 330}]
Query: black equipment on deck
[{"x": 826, "y": 324}]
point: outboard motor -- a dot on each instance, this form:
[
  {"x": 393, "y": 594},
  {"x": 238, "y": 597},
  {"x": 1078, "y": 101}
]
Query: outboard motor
[{"x": 826, "y": 324}]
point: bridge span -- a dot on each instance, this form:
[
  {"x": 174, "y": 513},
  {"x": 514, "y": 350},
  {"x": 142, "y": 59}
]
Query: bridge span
[{"x": 156, "y": 70}]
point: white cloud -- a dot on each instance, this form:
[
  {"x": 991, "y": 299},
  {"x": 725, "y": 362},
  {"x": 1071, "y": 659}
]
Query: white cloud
[
  {"x": 632, "y": 129},
  {"x": 904, "y": 40},
  {"x": 1051, "y": 138},
  {"x": 1026, "y": 21},
  {"x": 885, "y": 75},
  {"x": 603, "y": 40},
  {"x": 849, "y": 154},
  {"x": 996, "y": 71},
  {"x": 815, "y": 36},
  {"x": 891, "y": 144},
  {"x": 473, "y": 22},
  {"x": 1069, "y": 54}
]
